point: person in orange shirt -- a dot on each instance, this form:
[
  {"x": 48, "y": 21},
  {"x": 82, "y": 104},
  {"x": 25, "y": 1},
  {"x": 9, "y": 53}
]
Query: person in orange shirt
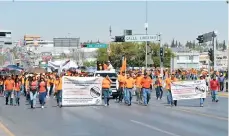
[
  {"x": 58, "y": 90},
  {"x": 121, "y": 80},
  {"x": 173, "y": 79},
  {"x": 48, "y": 81},
  {"x": 146, "y": 82},
  {"x": 158, "y": 86},
  {"x": 33, "y": 85},
  {"x": 9, "y": 86},
  {"x": 17, "y": 92},
  {"x": 42, "y": 92},
  {"x": 139, "y": 87},
  {"x": 129, "y": 85},
  {"x": 1, "y": 86},
  {"x": 106, "y": 85}
]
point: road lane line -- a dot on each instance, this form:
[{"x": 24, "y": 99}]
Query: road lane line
[
  {"x": 202, "y": 114},
  {"x": 154, "y": 128},
  {"x": 195, "y": 112},
  {"x": 6, "y": 130}
]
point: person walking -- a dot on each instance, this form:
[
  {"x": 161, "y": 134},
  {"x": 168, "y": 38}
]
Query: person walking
[
  {"x": 106, "y": 84},
  {"x": 9, "y": 86},
  {"x": 214, "y": 86},
  {"x": 42, "y": 92},
  {"x": 158, "y": 87},
  {"x": 17, "y": 92},
  {"x": 33, "y": 92},
  {"x": 221, "y": 79},
  {"x": 58, "y": 90},
  {"x": 129, "y": 85},
  {"x": 202, "y": 99},
  {"x": 139, "y": 87},
  {"x": 121, "y": 80},
  {"x": 146, "y": 83}
]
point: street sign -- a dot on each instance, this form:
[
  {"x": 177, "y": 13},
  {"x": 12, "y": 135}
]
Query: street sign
[
  {"x": 97, "y": 45},
  {"x": 141, "y": 38}
]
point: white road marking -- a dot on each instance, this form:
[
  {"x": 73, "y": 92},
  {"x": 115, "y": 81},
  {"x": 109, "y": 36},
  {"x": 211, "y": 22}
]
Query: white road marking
[{"x": 154, "y": 128}]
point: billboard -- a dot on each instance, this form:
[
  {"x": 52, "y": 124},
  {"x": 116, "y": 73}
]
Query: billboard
[{"x": 66, "y": 42}]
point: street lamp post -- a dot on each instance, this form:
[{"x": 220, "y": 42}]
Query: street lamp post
[{"x": 146, "y": 28}]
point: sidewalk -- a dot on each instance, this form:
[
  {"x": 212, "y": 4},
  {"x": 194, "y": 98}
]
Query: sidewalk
[{"x": 223, "y": 94}]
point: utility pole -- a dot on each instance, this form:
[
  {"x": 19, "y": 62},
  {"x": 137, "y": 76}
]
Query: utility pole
[
  {"x": 146, "y": 29},
  {"x": 162, "y": 56},
  {"x": 109, "y": 46}
]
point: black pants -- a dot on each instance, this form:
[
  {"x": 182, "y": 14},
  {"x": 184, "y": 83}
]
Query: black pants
[
  {"x": 120, "y": 93},
  {"x": 221, "y": 84},
  {"x": 175, "y": 102}
]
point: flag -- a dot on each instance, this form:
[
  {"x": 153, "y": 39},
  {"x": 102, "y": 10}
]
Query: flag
[
  {"x": 123, "y": 68},
  {"x": 65, "y": 63}
]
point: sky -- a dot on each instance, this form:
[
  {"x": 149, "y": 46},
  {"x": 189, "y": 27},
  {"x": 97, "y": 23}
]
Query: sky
[{"x": 182, "y": 21}]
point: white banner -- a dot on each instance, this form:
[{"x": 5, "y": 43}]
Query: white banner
[
  {"x": 82, "y": 91},
  {"x": 188, "y": 90}
]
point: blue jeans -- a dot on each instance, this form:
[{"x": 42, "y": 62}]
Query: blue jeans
[
  {"x": 16, "y": 96},
  {"x": 33, "y": 97},
  {"x": 22, "y": 89},
  {"x": 159, "y": 92},
  {"x": 128, "y": 95},
  {"x": 59, "y": 97},
  {"x": 106, "y": 95},
  {"x": 8, "y": 94},
  {"x": 202, "y": 101},
  {"x": 146, "y": 95},
  {"x": 214, "y": 95},
  {"x": 42, "y": 98},
  {"x": 169, "y": 97}
]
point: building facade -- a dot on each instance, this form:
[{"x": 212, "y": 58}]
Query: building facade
[{"x": 185, "y": 59}]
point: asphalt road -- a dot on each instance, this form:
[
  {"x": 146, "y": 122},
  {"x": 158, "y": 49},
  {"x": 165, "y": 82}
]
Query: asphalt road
[{"x": 157, "y": 119}]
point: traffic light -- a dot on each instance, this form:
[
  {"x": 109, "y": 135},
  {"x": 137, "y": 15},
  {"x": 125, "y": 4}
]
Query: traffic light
[
  {"x": 200, "y": 39},
  {"x": 211, "y": 55},
  {"x": 119, "y": 39},
  {"x": 161, "y": 52}
]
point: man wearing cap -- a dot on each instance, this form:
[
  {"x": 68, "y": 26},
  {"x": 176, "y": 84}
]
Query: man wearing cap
[{"x": 146, "y": 82}]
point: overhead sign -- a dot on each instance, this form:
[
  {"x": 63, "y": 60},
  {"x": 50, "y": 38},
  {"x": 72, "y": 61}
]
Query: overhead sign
[
  {"x": 66, "y": 42},
  {"x": 189, "y": 90},
  {"x": 97, "y": 45},
  {"x": 141, "y": 38},
  {"x": 82, "y": 90}
]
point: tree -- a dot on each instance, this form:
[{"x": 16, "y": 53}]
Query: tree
[
  {"x": 135, "y": 54},
  {"x": 217, "y": 44},
  {"x": 224, "y": 45},
  {"x": 176, "y": 44},
  {"x": 173, "y": 44},
  {"x": 89, "y": 63}
]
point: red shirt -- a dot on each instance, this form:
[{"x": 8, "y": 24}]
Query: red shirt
[{"x": 214, "y": 85}]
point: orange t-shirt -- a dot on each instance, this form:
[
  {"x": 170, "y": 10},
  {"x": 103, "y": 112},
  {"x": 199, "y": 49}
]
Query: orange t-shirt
[
  {"x": 129, "y": 83},
  {"x": 9, "y": 85},
  {"x": 106, "y": 84},
  {"x": 42, "y": 87},
  {"x": 58, "y": 85},
  {"x": 138, "y": 81},
  {"x": 146, "y": 82},
  {"x": 121, "y": 80},
  {"x": 17, "y": 87}
]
